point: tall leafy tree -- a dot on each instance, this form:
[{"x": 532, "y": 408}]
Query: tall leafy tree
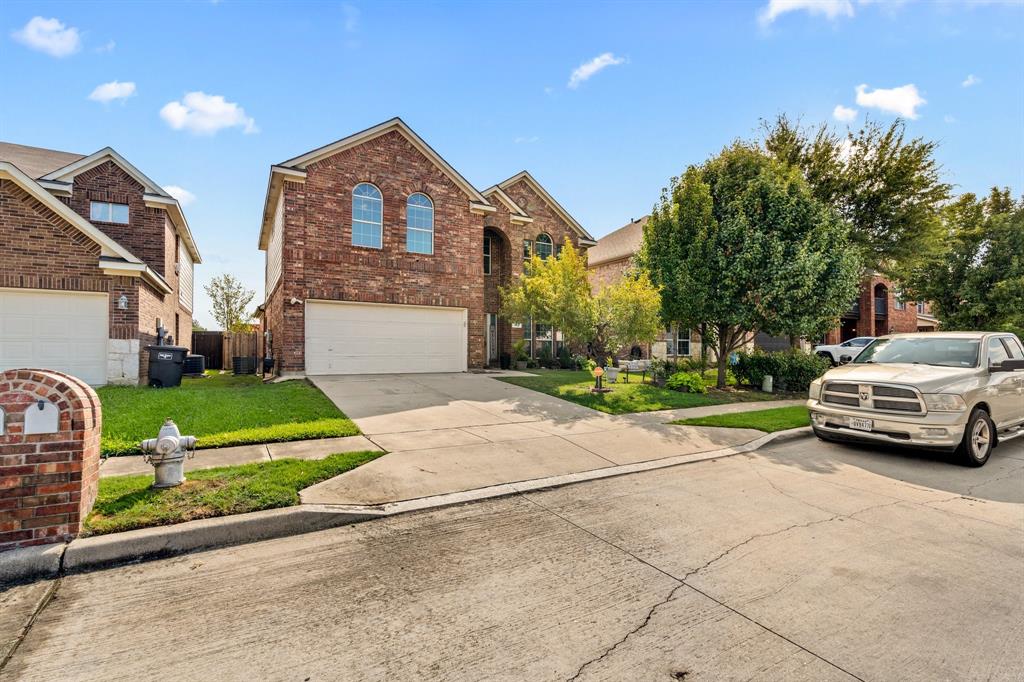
[
  {"x": 556, "y": 291},
  {"x": 977, "y": 281},
  {"x": 886, "y": 186},
  {"x": 741, "y": 245},
  {"x": 230, "y": 300}
]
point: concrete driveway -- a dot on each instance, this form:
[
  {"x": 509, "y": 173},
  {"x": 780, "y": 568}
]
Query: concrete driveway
[
  {"x": 454, "y": 432},
  {"x": 804, "y": 561}
]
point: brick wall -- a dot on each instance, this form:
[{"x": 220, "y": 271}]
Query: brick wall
[
  {"x": 143, "y": 235},
  {"x": 607, "y": 273},
  {"x": 321, "y": 262},
  {"x": 48, "y": 480}
]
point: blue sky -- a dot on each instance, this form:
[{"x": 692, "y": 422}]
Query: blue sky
[{"x": 490, "y": 86}]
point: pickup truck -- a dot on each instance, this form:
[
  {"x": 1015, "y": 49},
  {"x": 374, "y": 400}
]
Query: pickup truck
[
  {"x": 834, "y": 352},
  {"x": 951, "y": 391}
]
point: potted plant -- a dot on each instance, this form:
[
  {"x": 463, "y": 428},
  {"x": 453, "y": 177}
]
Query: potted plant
[{"x": 519, "y": 351}]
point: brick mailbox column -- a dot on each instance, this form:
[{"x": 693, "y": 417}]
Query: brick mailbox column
[{"x": 49, "y": 456}]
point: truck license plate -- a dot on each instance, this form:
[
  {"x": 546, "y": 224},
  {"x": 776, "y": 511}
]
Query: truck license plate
[{"x": 861, "y": 424}]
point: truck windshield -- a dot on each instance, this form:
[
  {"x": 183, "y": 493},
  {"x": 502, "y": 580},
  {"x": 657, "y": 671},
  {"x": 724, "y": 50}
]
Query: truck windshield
[{"x": 943, "y": 352}]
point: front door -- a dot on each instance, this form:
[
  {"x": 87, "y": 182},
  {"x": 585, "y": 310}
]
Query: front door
[{"x": 492, "y": 338}]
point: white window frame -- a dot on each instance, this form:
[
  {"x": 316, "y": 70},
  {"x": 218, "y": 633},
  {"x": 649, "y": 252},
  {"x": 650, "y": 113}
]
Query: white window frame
[
  {"x": 409, "y": 228},
  {"x": 550, "y": 244},
  {"x": 487, "y": 254},
  {"x": 920, "y": 308},
  {"x": 379, "y": 225},
  {"x": 107, "y": 212},
  {"x": 680, "y": 339}
]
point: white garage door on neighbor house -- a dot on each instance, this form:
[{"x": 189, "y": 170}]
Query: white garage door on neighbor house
[
  {"x": 360, "y": 338},
  {"x": 57, "y": 330}
]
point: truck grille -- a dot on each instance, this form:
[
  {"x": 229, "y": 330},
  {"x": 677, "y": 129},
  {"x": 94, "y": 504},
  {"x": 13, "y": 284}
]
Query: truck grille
[{"x": 878, "y": 397}]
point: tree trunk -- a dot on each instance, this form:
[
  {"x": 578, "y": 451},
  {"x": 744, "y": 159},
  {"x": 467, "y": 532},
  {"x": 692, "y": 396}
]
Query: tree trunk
[{"x": 723, "y": 354}]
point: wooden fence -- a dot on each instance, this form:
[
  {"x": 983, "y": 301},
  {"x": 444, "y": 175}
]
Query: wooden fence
[{"x": 220, "y": 347}]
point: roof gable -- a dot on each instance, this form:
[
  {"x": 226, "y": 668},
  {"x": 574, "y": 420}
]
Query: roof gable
[
  {"x": 517, "y": 211},
  {"x": 67, "y": 173},
  {"x": 548, "y": 199},
  {"x": 398, "y": 125}
]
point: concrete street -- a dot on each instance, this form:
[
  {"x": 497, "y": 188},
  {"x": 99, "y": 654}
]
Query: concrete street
[{"x": 803, "y": 561}]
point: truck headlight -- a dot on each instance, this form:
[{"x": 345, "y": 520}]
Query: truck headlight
[
  {"x": 944, "y": 402},
  {"x": 815, "y": 391}
]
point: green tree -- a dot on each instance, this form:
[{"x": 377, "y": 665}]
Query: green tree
[
  {"x": 556, "y": 291},
  {"x": 977, "y": 281},
  {"x": 741, "y": 245},
  {"x": 230, "y": 301},
  {"x": 888, "y": 188}
]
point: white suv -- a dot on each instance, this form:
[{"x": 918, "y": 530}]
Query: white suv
[
  {"x": 835, "y": 352},
  {"x": 960, "y": 391}
]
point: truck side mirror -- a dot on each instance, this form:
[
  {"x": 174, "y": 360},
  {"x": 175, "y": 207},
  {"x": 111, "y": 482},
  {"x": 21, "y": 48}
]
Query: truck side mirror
[
  {"x": 843, "y": 359},
  {"x": 1007, "y": 366}
]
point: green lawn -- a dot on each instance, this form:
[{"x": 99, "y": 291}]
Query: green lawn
[
  {"x": 776, "y": 419},
  {"x": 220, "y": 410},
  {"x": 624, "y": 398},
  {"x": 127, "y": 502}
]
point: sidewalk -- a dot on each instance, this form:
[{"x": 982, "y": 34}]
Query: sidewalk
[{"x": 245, "y": 454}]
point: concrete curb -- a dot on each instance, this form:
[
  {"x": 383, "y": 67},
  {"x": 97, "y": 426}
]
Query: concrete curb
[
  {"x": 104, "y": 551},
  {"x": 30, "y": 563},
  {"x": 504, "y": 489}
]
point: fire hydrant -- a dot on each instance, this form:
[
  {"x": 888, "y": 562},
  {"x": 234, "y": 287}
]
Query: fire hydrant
[{"x": 167, "y": 454}]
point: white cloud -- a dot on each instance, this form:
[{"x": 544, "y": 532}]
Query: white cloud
[
  {"x": 829, "y": 8},
  {"x": 587, "y": 70},
  {"x": 948, "y": 118},
  {"x": 903, "y": 100},
  {"x": 49, "y": 36},
  {"x": 204, "y": 114},
  {"x": 351, "y": 17},
  {"x": 527, "y": 139},
  {"x": 107, "y": 47},
  {"x": 845, "y": 149},
  {"x": 108, "y": 92},
  {"x": 183, "y": 196},
  {"x": 970, "y": 80},
  {"x": 844, "y": 114}
]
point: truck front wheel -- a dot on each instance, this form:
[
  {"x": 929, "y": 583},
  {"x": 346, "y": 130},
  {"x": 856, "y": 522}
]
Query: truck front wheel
[{"x": 979, "y": 437}]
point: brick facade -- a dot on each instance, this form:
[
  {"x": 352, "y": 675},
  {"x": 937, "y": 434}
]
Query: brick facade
[
  {"x": 878, "y": 311},
  {"x": 319, "y": 261},
  {"x": 48, "y": 480},
  {"x": 41, "y": 250}
]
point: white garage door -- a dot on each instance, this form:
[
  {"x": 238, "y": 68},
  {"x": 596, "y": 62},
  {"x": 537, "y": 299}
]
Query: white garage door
[
  {"x": 355, "y": 338},
  {"x": 54, "y": 330}
]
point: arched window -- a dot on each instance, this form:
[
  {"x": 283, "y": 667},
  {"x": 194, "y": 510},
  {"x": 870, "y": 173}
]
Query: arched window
[
  {"x": 367, "y": 212},
  {"x": 542, "y": 247},
  {"x": 419, "y": 221}
]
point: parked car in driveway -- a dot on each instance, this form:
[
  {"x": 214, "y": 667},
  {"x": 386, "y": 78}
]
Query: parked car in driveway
[
  {"x": 835, "y": 352},
  {"x": 954, "y": 391}
]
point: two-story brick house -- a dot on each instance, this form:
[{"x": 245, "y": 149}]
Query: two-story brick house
[
  {"x": 382, "y": 258},
  {"x": 93, "y": 257}
]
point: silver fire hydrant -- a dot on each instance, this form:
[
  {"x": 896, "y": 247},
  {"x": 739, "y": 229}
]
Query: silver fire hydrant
[{"x": 167, "y": 454}]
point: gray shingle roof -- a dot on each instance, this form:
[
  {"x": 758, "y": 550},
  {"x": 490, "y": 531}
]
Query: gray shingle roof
[
  {"x": 36, "y": 162},
  {"x": 622, "y": 243}
]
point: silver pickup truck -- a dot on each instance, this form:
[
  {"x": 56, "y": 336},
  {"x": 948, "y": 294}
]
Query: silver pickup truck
[{"x": 954, "y": 391}]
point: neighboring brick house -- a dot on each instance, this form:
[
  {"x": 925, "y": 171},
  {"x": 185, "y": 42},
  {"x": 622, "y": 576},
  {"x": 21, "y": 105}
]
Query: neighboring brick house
[
  {"x": 608, "y": 261},
  {"x": 880, "y": 310},
  {"x": 382, "y": 258},
  {"x": 877, "y": 311},
  {"x": 94, "y": 256}
]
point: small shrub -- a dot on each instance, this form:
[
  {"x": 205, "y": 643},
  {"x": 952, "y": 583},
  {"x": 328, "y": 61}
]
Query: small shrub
[
  {"x": 565, "y": 359},
  {"x": 544, "y": 357},
  {"x": 519, "y": 351},
  {"x": 791, "y": 370},
  {"x": 588, "y": 364},
  {"x": 687, "y": 382},
  {"x": 660, "y": 371}
]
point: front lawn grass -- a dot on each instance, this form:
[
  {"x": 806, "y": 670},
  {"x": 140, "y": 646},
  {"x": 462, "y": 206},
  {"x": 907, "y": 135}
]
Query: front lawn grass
[
  {"x": 220, "y": 410},
  {"x": 636, "y": 396},
  {"x": 128, "y": 502},
  {"x": 775, "y": 419}
]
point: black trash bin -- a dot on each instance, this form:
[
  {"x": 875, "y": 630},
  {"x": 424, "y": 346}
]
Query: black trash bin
[{"x": 166, "y": 364}]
